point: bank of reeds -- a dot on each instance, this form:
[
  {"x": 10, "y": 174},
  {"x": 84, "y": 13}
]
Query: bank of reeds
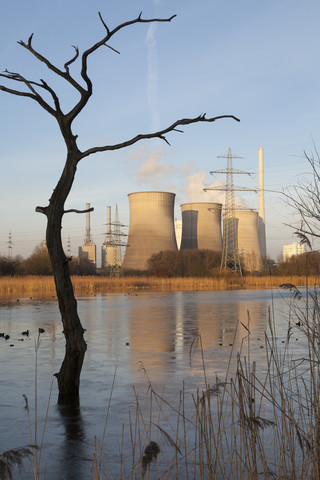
[{"x": 91, "y": 285}]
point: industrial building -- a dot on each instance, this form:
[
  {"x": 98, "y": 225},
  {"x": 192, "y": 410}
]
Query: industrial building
[
  {"x": 201, "y": 226},
  {"x": 293, "y": 249},
  {"x": 88, "y": 249},
  {"x": 151, "y": 227}
]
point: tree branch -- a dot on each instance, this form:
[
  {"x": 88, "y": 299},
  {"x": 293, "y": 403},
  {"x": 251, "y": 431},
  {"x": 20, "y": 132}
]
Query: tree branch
[
  {"x": 103, "y": 42},
  {"x": 85, "y": 93},
  {"x": 28, "y": 46},
  {"x": 160, "y": 134},
  {"x": 73, "y": 59},
  {"x": 34, "y": 95},
  {"x": 73, "y": 210}
]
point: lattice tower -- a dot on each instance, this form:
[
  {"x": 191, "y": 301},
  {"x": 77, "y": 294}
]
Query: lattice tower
[
  {"x": 10, "y": 244},
  {"x": 230, "y": 252},
  {"x": 113, "y": 238},
  {"x": 69, "y": 247}
]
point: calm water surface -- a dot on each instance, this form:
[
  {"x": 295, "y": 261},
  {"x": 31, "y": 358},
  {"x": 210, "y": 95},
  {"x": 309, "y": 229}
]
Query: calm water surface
[{"x": 127, "y": 336}]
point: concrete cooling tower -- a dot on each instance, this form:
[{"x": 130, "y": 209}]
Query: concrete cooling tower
[
  {"x": 248, "y": 240},
  {"x": 151, "y": 227},
  {"x": 201, "y": 226}
]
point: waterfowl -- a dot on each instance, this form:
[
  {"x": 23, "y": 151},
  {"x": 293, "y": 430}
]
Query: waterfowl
[
  {"x": 25, "y": 333},
  {"x": 41, "y": 330},
  {"x": 7, "y": 337}
]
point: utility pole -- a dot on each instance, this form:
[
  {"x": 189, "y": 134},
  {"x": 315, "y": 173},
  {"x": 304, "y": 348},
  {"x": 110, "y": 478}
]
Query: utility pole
[{"x": 230, "y": 259}]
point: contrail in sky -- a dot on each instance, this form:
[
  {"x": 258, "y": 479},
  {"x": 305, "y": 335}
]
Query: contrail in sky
[{"x": 152, "y": 81}]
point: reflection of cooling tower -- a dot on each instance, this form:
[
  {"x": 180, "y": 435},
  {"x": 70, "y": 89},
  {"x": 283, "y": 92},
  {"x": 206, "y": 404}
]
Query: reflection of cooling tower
[
  {"x": 201, "y": 226},
  {"x": 248, "y": 240},
  {"x": 151, "y": 227}
]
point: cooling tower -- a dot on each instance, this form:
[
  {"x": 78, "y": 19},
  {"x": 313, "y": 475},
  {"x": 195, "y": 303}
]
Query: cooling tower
[
  {"x": 151, "y": 227},
  {"x": 201, "y": 226},
  {"x": 248, "y": 240}
]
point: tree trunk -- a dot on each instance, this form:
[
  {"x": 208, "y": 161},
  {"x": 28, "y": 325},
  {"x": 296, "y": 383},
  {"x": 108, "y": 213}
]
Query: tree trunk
[{"x": 69, "y": 375}]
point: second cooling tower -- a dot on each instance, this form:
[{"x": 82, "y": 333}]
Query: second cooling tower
[
  {"x": 248, "y": 240},
  {"x": 151, "y": 227},
  {"x": 201, "y": 226}
]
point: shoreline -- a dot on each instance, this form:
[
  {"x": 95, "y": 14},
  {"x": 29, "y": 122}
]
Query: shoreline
[{"x": 90, "y": 285}]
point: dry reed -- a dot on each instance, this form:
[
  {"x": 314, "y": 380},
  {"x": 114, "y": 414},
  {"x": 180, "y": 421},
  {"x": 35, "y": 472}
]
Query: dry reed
[
  {"x": 30, "y": 286},
  {"x": 248, "y": 425}
]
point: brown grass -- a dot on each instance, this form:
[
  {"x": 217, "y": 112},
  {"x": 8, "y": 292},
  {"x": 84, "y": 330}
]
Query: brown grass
[{"x": 44, "y": 286}]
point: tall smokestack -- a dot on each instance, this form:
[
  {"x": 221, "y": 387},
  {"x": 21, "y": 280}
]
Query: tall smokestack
[
  {"x": 108, "y": 220},
  {"x": 261, "y": 219},
  {"x": 88, "y": 230}
]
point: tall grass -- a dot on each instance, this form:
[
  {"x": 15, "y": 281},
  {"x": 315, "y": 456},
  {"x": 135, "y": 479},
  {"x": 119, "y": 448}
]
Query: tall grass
[
  {"x": 247, "y": 425},
  {"x": 44, "y": 286}
]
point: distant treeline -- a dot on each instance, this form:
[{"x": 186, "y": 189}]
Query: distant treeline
[{"x": 168, "y": 264}]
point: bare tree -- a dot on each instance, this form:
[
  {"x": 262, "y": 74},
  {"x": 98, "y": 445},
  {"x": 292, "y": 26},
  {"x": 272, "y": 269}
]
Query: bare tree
[
  {"x": 305, "y": 199},
  {"x": 69, "y": 375}
]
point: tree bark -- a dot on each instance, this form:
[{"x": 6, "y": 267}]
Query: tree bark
[{"x": 69, "y": 375}]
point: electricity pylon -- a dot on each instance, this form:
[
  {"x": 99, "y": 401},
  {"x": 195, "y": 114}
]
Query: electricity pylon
[
  {"x": 230, "y": 252},
  {"x": 116, "y": 244},
  {"x": 10, "y": 243}
]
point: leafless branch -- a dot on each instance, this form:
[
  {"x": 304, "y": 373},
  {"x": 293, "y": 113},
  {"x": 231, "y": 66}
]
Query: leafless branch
[
  {"x": 41, "y": 210},
  {"x": 160, "y": 134},
  {"x": 85, "y": 93},
  {"x": 73, "y": 59},
  {"x": 34, "y": 95},
  {"x": 28, "y": 46},
  {"x": 305, "y": 199},
  {"x": 73, "y": 210},
  {"x": 117, "y": 51}
]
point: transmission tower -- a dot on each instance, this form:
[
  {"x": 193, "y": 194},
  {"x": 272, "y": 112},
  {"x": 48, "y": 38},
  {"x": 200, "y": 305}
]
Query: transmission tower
[
  {"x": 230, "y": 252},
  {"x": 10, "y": 243},
  {"x": 113, "y": 240}
]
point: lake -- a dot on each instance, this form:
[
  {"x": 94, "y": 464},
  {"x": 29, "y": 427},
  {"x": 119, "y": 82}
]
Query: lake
[{"x": 134, "y": 341}]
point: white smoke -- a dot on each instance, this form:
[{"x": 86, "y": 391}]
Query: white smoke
[
  {"x": 199, "y": 189},
  {"x": 195, "y": 185},
  {"x": 189, "y": 184},
  {"x": 153, "y": 171}
]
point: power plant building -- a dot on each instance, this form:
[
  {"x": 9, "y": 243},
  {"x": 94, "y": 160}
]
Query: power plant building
[
  {"x": 201, "y": 226},
  {"x": 151, "y": 227},
  {"x": 88, "y": 249},
  {"x": 293, "y": 249}
]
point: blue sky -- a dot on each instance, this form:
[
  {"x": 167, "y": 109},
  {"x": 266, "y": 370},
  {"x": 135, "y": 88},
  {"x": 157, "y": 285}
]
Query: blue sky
[{"x": 254, "y": 59}]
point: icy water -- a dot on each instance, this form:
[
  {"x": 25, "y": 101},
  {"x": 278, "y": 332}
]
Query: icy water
[{"x": 132, "y": 340}]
